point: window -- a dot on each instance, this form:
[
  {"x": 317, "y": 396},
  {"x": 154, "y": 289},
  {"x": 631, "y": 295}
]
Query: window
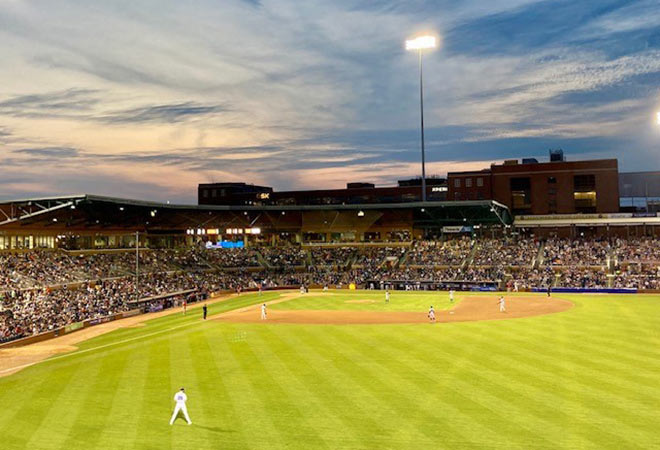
[
  {"x": 468, "y": 182},
  {"x": 457, "y": 182},
  {"x": 205, "y": 193},
  {"x": 552, "y": 180},
  {"x": 521, "y": 195},
  {"x": 480, "y": 182},
  {"x": 584, "y": 193},
  {"x": 457, "y": 195}
]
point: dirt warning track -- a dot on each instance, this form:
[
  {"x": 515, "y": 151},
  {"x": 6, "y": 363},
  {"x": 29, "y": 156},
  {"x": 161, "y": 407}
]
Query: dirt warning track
[{"x": 469, "y": 309}]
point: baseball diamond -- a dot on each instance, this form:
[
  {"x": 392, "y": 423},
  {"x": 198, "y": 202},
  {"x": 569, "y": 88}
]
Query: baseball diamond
[{"x": 584, "y": 376}]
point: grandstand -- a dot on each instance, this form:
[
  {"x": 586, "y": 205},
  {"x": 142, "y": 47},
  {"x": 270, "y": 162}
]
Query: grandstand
[{"x": 74, "y": 260}]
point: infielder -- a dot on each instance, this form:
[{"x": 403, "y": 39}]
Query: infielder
[
  {"x": 431, "y": 314},
  {"x": 263, "y": 311},
  {"x": 180, "y": 398},
  {"x": 387, "y": 296},
  {"x": 502, "y": 305}
]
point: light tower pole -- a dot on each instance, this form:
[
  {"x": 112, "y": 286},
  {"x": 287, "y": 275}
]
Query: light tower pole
[{"x": 421, "y": 43}]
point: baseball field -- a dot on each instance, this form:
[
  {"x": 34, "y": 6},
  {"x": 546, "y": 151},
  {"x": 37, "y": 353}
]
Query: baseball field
[{"x": 344, "y": 369}]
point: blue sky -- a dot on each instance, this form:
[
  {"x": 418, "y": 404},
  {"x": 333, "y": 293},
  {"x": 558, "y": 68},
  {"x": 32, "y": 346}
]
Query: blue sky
[{"x": 147, "y": 98}]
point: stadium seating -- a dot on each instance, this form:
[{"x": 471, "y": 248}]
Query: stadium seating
[{"x": 43, "y": 290}]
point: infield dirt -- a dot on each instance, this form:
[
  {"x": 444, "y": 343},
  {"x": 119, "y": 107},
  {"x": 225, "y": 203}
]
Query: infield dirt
[{"x": 469, "y": 309}]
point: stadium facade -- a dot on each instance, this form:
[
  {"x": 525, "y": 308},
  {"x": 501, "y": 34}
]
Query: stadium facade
[{"x": 555, "y": 198}]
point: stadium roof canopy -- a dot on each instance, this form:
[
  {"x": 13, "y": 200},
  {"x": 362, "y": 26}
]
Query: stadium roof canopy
[{"x": 101, "y": 214}]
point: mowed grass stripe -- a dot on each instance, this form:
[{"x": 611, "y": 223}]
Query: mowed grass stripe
[
  {"x": 262, "y": 428},
  {"x": 153, "y": 426},
  {"x": 505, "y": 402},
  {"x": 124, "y": 403},
  {"x": 387, "y": 397},
  {"x": 530, "y": 368},
  {"x": 495, "y": 423},
  {"x": 49, "y": 410},
  {"x": 63, "y": 420},
  {"x": 617, "y": 379},
  {"x": 626, "y": 400},
  {"x": 94, "y": 407},
  {"x": 149, "y": 377},
  {"x": 322, "y": 402},
  {"x": 481, "y": 390},
  {"x": 276, "y": 394},
  {"x": 316, "y": 372},
  {"x": 222, "y": 418}
]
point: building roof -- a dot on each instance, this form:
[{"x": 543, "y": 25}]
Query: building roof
[{"x": 101, "y": 213}]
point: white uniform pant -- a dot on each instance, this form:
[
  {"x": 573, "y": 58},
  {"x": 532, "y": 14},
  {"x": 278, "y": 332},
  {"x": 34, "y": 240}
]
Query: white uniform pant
[
  {"x": 184, "y": 410},
  {"x": 502, "y": 308},
  {"x": 263, "y": 315}
]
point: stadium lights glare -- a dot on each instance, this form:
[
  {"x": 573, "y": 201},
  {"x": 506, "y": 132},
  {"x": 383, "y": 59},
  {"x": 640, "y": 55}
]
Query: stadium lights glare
[
  {"x": 421, "y": 42},
  {"x": 360, "y": 213},
  {"x": 657, "y": 118}
]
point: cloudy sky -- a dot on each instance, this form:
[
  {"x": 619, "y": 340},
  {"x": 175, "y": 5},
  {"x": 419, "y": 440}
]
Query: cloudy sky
[{"x": 146, "y": 98}]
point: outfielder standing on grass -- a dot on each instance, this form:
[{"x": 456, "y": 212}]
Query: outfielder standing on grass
[
  {"x": 263, "y": 311},
  {"x": 387, "y": 295},
  {"x": 451, "y": 295},
  {"x": 180, "y": 398},
  {"x": 206, "y": 310}
]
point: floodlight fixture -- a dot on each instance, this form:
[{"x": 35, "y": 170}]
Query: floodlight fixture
[{"x": 421, "y": 43}]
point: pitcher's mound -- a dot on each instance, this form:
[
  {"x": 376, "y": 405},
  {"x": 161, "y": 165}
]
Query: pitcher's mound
[{"x": 469, "y": 309}]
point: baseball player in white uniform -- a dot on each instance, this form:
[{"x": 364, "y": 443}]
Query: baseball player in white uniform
[
  {"x": 431, "y": 314},
  {"x": 263, "y": 311},
  {"x": 451, "y": 295},
  {"x": 502, "y": 305},
  {"x": 180, "y": 398},
  {"x": 387, "y": 296}
]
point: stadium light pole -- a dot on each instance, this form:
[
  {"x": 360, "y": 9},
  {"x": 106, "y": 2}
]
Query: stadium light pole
[{"x": 420, "y": 44}]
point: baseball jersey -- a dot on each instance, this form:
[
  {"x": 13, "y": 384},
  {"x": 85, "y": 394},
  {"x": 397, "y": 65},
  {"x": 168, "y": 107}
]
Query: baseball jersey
[{"x": 180, "y": 398}]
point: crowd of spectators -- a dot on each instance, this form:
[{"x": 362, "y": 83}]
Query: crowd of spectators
[
  {"x": 637, "y": 250},
  {"x": 286, "y": 256},
  {"x": 637, "y": 276},
  {"x": 451, "y": 252},
  {"x": 507, "y": 252},
  {"x": 370, "y": 258},
  {"x": 231, "y": 257},
  {"x": 32, "y": 299},
  {"x": 576, "y": 252},
  {"x": 332, "y": 256}
]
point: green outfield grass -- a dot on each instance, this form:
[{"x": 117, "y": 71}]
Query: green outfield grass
[
  {"x": 585, "y": 378},
  {"x": 370, "y": 301}
]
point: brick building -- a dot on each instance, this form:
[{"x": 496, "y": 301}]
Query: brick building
[{"x": 555, "y": 187}]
